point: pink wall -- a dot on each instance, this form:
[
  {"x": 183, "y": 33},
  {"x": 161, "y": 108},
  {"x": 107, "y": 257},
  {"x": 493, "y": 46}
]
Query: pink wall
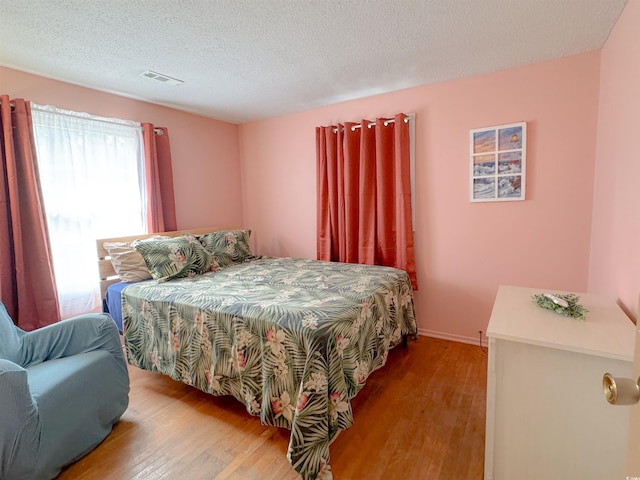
[
  {"x": 615, "y": 252},
  {"x": 464, "y": 250},
  {"x": 206, "y": 167}
]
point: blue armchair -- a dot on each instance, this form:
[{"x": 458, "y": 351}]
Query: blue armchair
[{"x": 62, "y": 388}]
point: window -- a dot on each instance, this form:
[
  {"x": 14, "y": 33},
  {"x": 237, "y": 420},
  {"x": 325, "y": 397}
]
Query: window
[
  {"x": 364, "y": 185},
  {"x": 93, "y": 186}
]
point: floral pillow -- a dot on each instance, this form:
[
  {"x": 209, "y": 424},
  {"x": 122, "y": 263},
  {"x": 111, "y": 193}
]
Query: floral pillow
[
  {"x": 228, "y": 246},
  {"x": 174, "y": 257}
]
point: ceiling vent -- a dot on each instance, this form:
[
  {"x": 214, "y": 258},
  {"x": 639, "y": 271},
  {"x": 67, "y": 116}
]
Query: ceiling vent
[{"x": 158, "y": 77}]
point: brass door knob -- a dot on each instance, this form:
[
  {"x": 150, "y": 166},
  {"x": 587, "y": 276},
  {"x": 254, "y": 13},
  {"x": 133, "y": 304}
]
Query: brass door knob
[{"x": 620, "y": 390}]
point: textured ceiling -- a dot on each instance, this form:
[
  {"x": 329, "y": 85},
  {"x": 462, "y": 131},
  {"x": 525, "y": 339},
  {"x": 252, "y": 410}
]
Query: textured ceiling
[{"x": 244, "y": 60}]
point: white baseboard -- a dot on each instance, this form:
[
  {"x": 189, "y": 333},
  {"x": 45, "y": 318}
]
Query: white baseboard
[{"x": 452, "y": 337}]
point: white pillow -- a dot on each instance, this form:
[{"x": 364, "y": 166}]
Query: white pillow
[{"x": 127, "y": 261}]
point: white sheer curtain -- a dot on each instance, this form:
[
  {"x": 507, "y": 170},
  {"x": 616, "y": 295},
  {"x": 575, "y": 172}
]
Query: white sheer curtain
[{"x": 93, "y": 185}]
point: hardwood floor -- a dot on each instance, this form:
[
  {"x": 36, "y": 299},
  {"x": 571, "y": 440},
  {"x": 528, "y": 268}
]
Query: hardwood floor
[{"x": 422, "y": 416}]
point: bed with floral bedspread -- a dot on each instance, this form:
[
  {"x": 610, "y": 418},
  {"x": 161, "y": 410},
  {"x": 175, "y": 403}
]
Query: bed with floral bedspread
[{"x": 294, "y": 340}]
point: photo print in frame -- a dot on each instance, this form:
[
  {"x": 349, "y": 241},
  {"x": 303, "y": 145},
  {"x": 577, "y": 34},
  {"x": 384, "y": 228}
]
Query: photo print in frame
[{"x": 498, "y": 162}]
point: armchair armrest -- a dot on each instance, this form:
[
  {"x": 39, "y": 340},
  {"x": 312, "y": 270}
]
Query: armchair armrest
[
  {"x": 19, "y": 423},
  {"x": 81, "y": 334}
]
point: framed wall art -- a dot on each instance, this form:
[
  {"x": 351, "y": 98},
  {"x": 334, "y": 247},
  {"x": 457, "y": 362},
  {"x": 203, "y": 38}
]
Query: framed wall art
[{"x": 498, "y": 163}]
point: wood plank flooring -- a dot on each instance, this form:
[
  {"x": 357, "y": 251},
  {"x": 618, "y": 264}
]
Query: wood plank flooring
[{"x": 422, "y": 416}]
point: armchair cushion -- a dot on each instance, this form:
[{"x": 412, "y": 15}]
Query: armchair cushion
[{"x": 61, "y": 393}]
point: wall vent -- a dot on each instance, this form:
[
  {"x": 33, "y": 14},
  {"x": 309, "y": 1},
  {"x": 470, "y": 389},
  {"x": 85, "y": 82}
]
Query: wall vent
[{"x": 159, "y": 77}]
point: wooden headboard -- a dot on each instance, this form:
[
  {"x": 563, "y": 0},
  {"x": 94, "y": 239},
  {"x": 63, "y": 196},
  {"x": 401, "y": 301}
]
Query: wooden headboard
[{"x": 105, "y": 269}]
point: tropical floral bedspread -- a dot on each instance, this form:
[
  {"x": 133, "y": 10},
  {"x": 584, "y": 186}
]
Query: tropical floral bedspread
[{"x": 292, "y": 339}]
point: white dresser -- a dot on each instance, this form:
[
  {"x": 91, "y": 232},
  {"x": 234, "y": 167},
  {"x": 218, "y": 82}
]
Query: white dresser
[{"x": 547, "y": 417}]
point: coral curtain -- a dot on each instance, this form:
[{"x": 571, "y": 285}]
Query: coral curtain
[
  {"x": 161, "y": 210},
  {"x": 364, "y": 194},
  {"x": 27, "y": 282}
]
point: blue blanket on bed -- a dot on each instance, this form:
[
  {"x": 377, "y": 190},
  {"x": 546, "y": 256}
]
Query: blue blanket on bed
[{"x": 112, "y": 304}]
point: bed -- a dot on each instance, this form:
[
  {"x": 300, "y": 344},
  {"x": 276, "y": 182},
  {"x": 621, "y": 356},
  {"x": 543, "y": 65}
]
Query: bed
[{"x": 293, "y": 339}]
